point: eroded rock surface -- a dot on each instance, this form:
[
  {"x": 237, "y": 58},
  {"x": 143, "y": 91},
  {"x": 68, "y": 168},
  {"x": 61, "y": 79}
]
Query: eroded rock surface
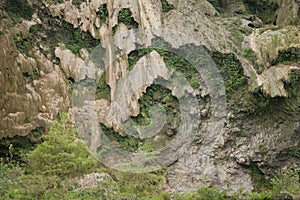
[{"x": 35, "y": 87}]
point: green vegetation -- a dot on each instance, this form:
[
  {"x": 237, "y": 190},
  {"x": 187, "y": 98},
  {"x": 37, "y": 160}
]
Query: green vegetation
[
  {"x": 166, "y": 7},
  {"x": 125, "y": 17},
  {"x": 232, "y": 72},
  {"x": 18, "y": 10},
  {"x": 103, "y": 90},
  {"x": 60, "y": 144},
  {"x": 289, "y": 56},
  {"x": 265, "y": 10},
  {"x": 48, "y": 172},
  {"x": 154, "y": 95},
  {"x": 103, "y": 13},
  {"x": 76, "y": 40},
  {"x": 252, "y": 57},
  {"x": 63, "y": 32},
  {"x": 260, "y": 183},
  {"x": 77, "y": 2},
  {"x": 286, "y": 181},
  {"x": 216, "y": 4},
  {"x": 171, "y": 60},
  {"x": 292, "y": 84},
  {"x": 126, "y": 142},
  {"x": 25, "y": 44}
]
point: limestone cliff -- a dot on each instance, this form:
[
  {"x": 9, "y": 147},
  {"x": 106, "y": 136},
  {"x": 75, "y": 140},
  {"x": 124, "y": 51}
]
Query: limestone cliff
[{"x": 45, "y": 56}]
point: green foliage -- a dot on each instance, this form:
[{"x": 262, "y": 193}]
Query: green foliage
[
  {"x": 18, "y": 9},
  {"x": 292, "y": 84},
  {"x": 77, "y": 40},
  {"x": 216, "y": 4},
  {"x": 232, "y": 72},
  {"x": 103, "y": 90},
  {"x": 77, "y": 2},
  {"x": 141, "y": 185},
  {"x": 209, "y": 193},
  {"x": 126, "y": 142},
  {"x": 166, "y": 7},
  {"x": 103, "y": 13},
  {"x": 15, "y": 148},
  {"x": 286, "y": 181},
  {"x": 252, "y": 57},
  {"x": 259, "y": 181},
  {"x": 61, "y": 153},
  {"x": 157, "y": 94},
  {"x": 265, "y": 195},
  {"x": 289, "y": 56},
  {"x": 25, "y": 44},
  {"x": 125, "y": 17},
  {"x": 171, "y": 60},
  {"x": 265, "y": 10}
]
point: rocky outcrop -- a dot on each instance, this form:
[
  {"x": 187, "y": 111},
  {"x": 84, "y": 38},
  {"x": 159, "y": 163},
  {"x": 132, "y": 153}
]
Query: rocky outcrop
[{"x": 35, "y": 88}]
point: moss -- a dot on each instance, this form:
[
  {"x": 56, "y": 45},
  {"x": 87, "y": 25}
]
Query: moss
[
  {"x": 125, "y": 17},
  {"x": 166, "y": 7}
]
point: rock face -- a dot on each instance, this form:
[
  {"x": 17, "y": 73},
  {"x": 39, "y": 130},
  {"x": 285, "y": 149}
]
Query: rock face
[
  {"x": 33, "y": 89},
  {"x": 36, "y": 87}
]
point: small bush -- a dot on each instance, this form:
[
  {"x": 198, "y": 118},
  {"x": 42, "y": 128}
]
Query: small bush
[
  {"x": 125, "y": 17},
  {"x": 103, "y": 13},
  {"x": 166, "y": 7},
  {"x": 286, "y": 181},
  {"x": 61, "y": 153}
]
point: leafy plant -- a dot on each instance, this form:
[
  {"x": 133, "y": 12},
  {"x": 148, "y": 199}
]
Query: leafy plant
[
  {"x": 252, "y": 57},
  {"x": 77, "y": 40},
  {"x": 265, "y": 10},
  {"x": 103, "y": 13},
  {"x": 166, "y": 7},
  {"x": 216, "y": 4},
  {"x": 286, "y": 181},
  {"x": 125, "y": 17},
  {"x": 61, "y": 153},
  {"x": 232, "y": 72}
]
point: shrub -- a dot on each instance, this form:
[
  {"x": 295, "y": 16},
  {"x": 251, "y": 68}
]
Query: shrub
[
  {"x": 286, "y": 181},
  {"x": 61, "y": 153},
  {"x": 125, "y": 17},
  {"x": 166, "y": 7}
]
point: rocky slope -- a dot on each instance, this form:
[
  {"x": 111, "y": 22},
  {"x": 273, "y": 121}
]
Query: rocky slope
[{"x": 48, "y": 53}]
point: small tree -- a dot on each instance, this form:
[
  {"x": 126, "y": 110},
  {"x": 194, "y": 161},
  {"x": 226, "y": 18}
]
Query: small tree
[{"x": 62, "y": 153}]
